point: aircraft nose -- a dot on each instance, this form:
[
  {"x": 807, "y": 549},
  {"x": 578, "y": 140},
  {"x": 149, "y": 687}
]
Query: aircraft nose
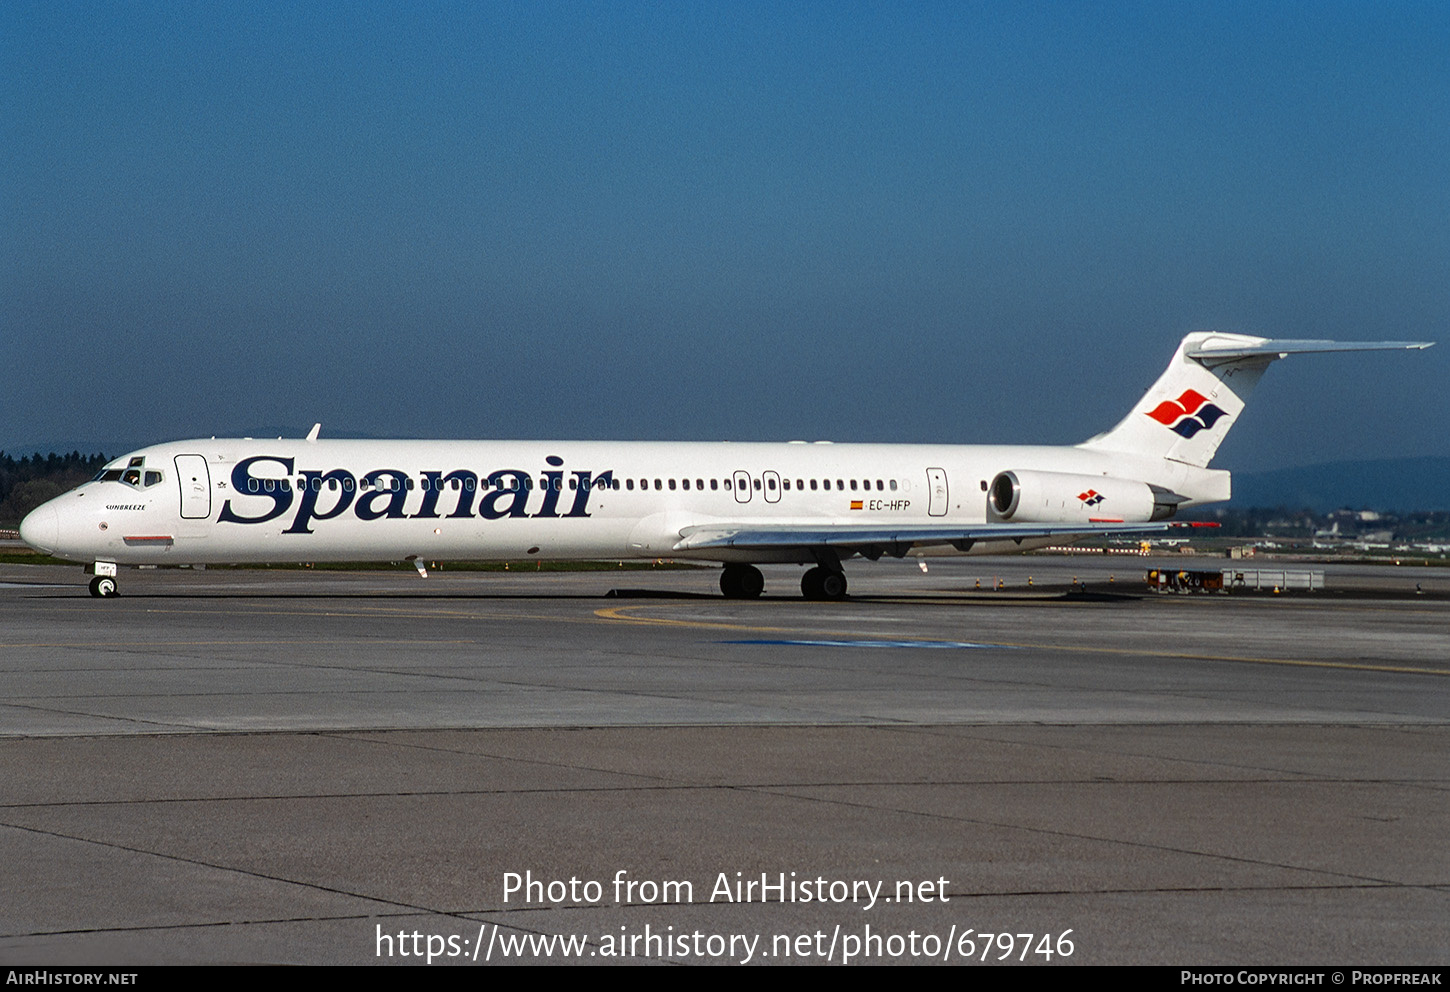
[{"x": 41, "y": 528}]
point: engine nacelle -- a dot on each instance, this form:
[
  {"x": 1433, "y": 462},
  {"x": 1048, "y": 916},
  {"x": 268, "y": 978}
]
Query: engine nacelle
[{"x": 1062, "y": 497}]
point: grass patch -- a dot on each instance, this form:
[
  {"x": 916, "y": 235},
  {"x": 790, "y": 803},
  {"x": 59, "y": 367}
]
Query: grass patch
[
  {"x": 30, "y": 558},
  {"x": 473, "y": 566}
]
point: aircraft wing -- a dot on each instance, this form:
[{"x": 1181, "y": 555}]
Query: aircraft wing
[{"x": 872, "y": 542}]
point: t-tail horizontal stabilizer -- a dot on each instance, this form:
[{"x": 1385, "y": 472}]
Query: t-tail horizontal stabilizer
[
  {"x": 1283, "y": 348},
  {"x": 1192, "y": 406}
]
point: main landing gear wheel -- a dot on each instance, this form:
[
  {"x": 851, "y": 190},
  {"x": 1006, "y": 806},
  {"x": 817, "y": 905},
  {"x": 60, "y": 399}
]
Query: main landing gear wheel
[
  {"x": 104, "y": 587},
  {"x": 741, "y": 582},
  {"x": 822, "y": 583}
]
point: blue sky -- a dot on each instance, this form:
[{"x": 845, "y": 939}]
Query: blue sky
[{"x": 929, "y": 222}]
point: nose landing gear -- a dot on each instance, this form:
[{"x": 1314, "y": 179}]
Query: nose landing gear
[{"x": 103, "y": 586}]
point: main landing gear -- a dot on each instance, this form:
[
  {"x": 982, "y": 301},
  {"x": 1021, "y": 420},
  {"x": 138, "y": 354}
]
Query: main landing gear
[
  {"x": 746, "y": 582},
  {"x": 823, "y": 583},
  {"x": 741, "y": 582}
]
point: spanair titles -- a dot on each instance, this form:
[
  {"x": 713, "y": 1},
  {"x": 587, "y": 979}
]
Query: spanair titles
[{"x": 268, "y": 487}]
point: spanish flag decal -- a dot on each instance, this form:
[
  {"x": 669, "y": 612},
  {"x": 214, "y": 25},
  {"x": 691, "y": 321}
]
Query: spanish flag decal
[{"x": 855, "y": 504}]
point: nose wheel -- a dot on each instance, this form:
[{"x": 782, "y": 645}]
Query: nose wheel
[
  {"x": 104, "y": 587},
  {"x": 823, "y": 583}
]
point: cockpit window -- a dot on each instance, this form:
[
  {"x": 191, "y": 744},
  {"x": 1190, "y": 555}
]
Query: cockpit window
[{"x": 136, "y": 478}]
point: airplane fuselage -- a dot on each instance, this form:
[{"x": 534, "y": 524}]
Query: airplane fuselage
[
  {"x": 240, "y": 500},
  {"x": 309, "y": 500}
]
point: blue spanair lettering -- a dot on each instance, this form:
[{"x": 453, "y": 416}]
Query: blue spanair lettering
[
  {"x": 383, "y": 493},
  {"x": 244, "y": 482},
  {"x": 552, "y": 485},
  {"x": 338, "y": 482},
  {"x": 432, "y": 488},
  {"x": 396, "y": 495},
  {"x": 585, "y": 487},
  {"x": 466, "y": 482},
  {"x": 461, "y": 481},
  {"x": 514, "y": 494}
]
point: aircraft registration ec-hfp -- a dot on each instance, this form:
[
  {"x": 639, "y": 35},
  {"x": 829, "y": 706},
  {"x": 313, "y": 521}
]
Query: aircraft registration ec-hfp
[{"x": 219, "y": 501}]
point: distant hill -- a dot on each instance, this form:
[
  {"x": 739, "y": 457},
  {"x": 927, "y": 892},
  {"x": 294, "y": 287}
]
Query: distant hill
[{"x": 1389, "y": 485}]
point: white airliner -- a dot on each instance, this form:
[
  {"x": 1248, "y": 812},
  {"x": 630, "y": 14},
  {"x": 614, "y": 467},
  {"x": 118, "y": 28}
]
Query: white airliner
[{"x": 309, "y": 500}]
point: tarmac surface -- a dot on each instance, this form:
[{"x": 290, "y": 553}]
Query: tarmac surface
[{"x": 355, "y": 767}]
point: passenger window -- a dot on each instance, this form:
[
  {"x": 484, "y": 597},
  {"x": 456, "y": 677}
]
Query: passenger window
[
  {"x": 727, "y": 485},
  {"x": 629, "y": 484},
  {"x": 757, "y": 485},
  {"x": 714, "y": 484},
  {"x": 659, "y": 484},
  {"x": 785, "y": 483},
  {"x": 685, "y": 483},
  {"x": 672, "y": 483},
  {"x": 699, "y": 483},
  {"x": 813, "y": 485},
  {"x": 840, "y": 484},
  {"x": 770, "y": 484},
  {"x": 893, "y": 485}
]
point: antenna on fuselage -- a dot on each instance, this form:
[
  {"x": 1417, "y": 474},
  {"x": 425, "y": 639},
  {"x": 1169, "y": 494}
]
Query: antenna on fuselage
[{"x": 312, "y": 434}]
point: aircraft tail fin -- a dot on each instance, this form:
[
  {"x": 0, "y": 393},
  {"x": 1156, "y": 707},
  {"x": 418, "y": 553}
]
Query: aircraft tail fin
[{"x": 1188, "y": 412}]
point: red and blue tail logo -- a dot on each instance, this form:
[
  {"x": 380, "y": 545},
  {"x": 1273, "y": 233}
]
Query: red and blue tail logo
[{"x": 1189, "y": 414}]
